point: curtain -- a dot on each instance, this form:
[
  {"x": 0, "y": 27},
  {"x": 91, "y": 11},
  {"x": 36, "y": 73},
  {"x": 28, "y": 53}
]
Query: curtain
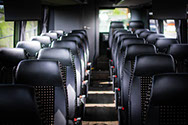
[
  {"x": 22, "y": 31},
  {"x": 45, "y": 20},
  {"x": 178, "y": 25},
  {"x": 157, "y": 25}
]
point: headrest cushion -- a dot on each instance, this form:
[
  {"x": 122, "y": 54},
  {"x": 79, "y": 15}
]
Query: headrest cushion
[{"x": 151, "y": 64}]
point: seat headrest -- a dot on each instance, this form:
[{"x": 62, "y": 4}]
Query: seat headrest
[
  {"x": 179, "y": 51},
  {"x": 12, "y": 56},
  {"x": 64, "y": 56},
  {"x": 53, "y": 36},
  {"x": 126, "y": 36},
  {"x": 122, "y": 31},
  {"x": 42, "y": 39},
  {"x": 81, "y": 30},
  {"x": 129, "y": 41},
  {"x": 72, "y": 37},
  {"x": 134, "y": 50},
  {"x": 39, "y": 73},
  {"x": 152, "y": 38},
  {"x": 164, "y": 43},
  {"x": 151, "y": 64},
  {"x": 80, "y": 35},
  {"x": 136, "y": 24},
  {"x": 67, "y": 44},
  {"x": 116, "y": 24},
  {"x": 145, "y": 34},
  {"x": 59, "y": 32},
  {"x": 31, "y": 47},
  {"x": 170, "y": 89},
  {"x": 138, "y": 31},
  {"x": 18, "y": 105}
]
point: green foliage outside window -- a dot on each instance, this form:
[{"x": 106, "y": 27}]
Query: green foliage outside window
[
  {"x": 108, "y": 15},
  {"x": 6, "y": 30}
]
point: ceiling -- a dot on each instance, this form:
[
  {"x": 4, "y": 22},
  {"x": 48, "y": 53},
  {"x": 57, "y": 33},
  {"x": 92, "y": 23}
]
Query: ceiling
[
  {"x": 60, "y": 2},
  {"x": 133, "y": 2}
]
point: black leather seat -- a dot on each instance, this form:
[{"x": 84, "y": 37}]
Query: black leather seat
[
  {"x": 60, "y": 33},
  {"x": 80, "y": 30},
  {"x": 9, "y": 59},
  {"x": 49, "y": 82},
  {"x": 73, "y": 46},
  {"x": 139, "y": 31},
  {"x": 152, "y": 38},
  {"x": 19, "y": 106},
  {"x": 83, "y": 41},
  {"x": 53, "y": 36},
  {"x": 31, "y": 47},
  {"x": 44, "y": 40},
  {"x": 145, "y": 34},
  {"x": 65, "y": 57},
  {"x": 114, "y": 25},
  {"x": 115, "y": 34},
  {"x": 180, "y": 54},
  {"x": 140, "y": 85},
  {"x": 118, "y": 39},
  {"x": 84, "y": 36},
  {"x": 121, "y": 49},
  {"x": 134, "y": 25},
  {"x": 163, "y": 44},
  {"x": 115, "y": 49},
  {"x": 81, "y": 48},
  {"x": 168, "y": 105},
  {"x": 119, "y": 36},
  {"x": 125, "y": 71}
]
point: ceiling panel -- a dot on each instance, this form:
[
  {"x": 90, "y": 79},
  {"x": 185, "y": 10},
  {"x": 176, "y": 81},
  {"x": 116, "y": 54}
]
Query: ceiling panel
[
  {"x": 134, "y": 2},
  {"x": 59, "y": 2}
]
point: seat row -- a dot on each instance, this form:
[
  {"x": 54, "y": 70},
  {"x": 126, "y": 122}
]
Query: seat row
[
  {"x": 146, "y": 69},
  {"x": 54, "y": 72}
]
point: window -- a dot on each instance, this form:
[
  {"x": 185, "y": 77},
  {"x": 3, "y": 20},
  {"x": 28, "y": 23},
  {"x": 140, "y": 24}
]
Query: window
[
  {"x": 108, "y": 15},
  {"x": 153, "y": 25},
  {"x": 170, "y": 29},
  {"x": 6, "y": 30},
  {"x": 31, "y": 29}
]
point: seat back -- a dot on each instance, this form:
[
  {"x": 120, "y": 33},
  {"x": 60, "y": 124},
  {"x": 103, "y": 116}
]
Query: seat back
[
  {"x": 163, "y": 44},
  {"x": 122, "y": 46},
  {"x": 139, "y": 31},
  {"x": 9, "y": 59},
  {"x": 49, "y": 82},
  {"x": 73, "y": 46},
  {"x": 44, "y": 40},
  {"x": 53, "y": 36},
  {"x": 65, "y": 57},
  {"x": 119, "y": 36},
  {"x": 118, "y": 41},
  {"x": 19, "y": 106},
  {"x": 145, "y": 34},
  {"x": 80, "y": 45},
  {"x": 168, "y": 105},
  {"x": 31, "y": 47},
  {"x": 127, "y": 61},
  {"x": 180, "y": 54},
  {"x": 84, "y": 41},
  {"x": 133, "y": 25},
  {"x": 152, "y": 38},
  {"x": 113, "y": 26},
  {"x": 145, "y": 67},
  {"x": 60, "y": 33}
]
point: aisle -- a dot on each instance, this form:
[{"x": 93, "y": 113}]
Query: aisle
[{"x": 100, "y": 106}]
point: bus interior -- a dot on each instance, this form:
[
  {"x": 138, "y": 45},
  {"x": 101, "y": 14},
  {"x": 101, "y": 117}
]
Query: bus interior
[{"x": 93, "y": 62}]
